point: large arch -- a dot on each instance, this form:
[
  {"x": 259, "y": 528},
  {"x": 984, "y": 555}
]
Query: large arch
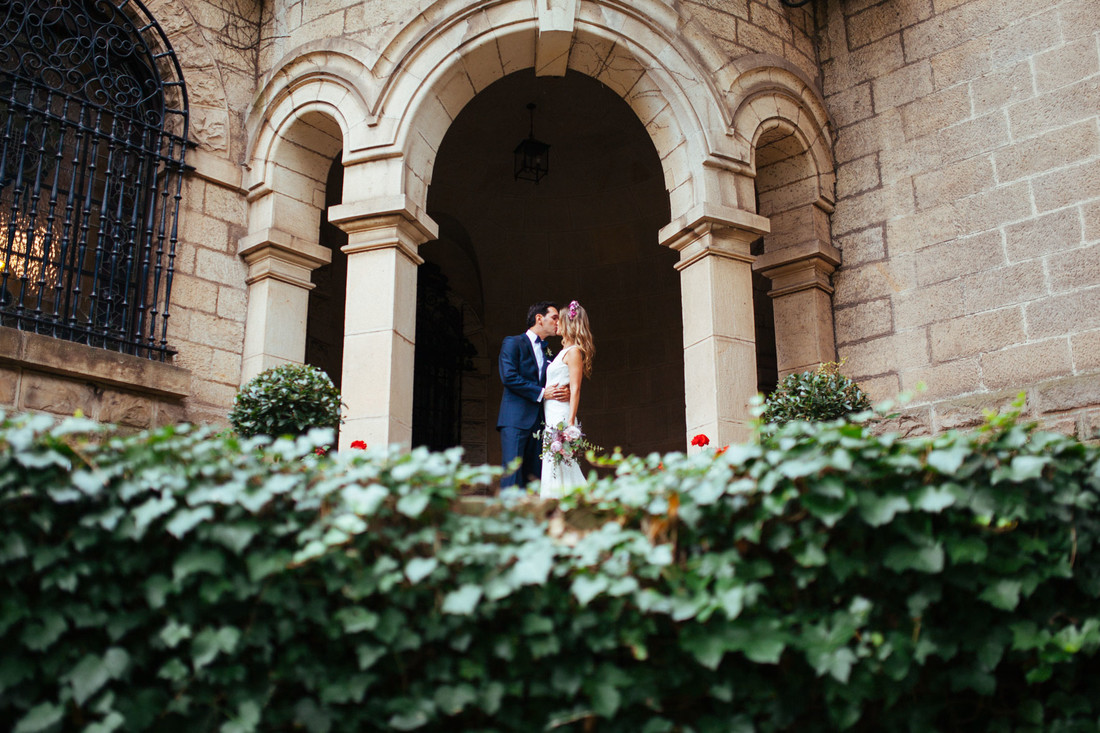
[{"x": 702, "y": 114}]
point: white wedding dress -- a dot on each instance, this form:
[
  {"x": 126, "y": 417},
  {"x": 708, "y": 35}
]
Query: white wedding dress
[{"x": 556, "y": 479}]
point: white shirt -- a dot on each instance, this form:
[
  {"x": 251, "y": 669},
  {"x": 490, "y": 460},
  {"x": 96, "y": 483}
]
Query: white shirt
[{"x": 540, "y": 355}]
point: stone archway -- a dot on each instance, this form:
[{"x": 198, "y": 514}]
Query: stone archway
[
  {"x": 703, "y": 117},
  {"x": 587, "y": 231}
]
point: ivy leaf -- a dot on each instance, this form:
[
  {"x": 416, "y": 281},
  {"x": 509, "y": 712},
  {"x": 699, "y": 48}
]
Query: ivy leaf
[
  {"x": 413, "y": 505},
  {"x": 261, "y": 565},
  {"x": 708, "y": 649},
  {"x": 112, "y": 722},
  {"x": 364, "y": 501},
  {"x": 622, "y": 586},
  {"x": 586, "y": 587},
  {"x": 236, "y": 537},
  {"x": 210, "y": 642},
  {"x": 92, "y": 672},
  {"x": 1004, "y": 594},
  {"x": 39, "y": 636},
  {"x": 605, "y": 699},
  {"x": 174, "y": 632},
  {"x": 533, "y": 568},
  {"x": 934, "y": 499},
  {"x": 173, "y": 670},
  {"x": 350, "y": 524},
  {"x": 312, "y": 717},
  {"x": 836, "y": 662},
  {"x": 89, "y": 482},
  {"x": 463, "y": 601},
  {"x": 354, "y": 620},
  {"x": 413, "y": 718},
  {"x": 368, "y": 655},
  {"x": 452, "y": 700},
  {"x": 967, "y": 550},
  {"x": 922, "y": 559},
  {"x": 198, "y": 561},
  {"x": 948, "y": 460},
  {"x": 733, "y": 601},
  {"x": 14, "y": 548},
  {"x": 880, "y": 510},
  {"x": 246, "y": 721},
  {"x": 708, "y": 492},
  {"x": 764, "y": 647},
  {"x": 1027, "y": 467},
  {"x": 41, "y": 717},
  {"x": 419, "y": 568},
  {"x": 187, "y": 519},
  {"x": 145, "y": 514}
]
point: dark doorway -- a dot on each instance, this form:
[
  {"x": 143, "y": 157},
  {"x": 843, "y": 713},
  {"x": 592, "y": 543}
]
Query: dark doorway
[
  {"x": 325, "y": 321},
  {"x": 767, "y": 370},
  {"x": 442, "y": 355}
]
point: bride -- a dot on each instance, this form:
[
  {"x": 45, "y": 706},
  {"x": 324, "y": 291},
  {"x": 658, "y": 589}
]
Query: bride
[{"x": 560, "y": 469}]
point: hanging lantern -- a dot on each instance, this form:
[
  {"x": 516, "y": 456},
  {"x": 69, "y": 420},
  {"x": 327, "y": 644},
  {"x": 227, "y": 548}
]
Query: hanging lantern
[{"x": 532, "y": 156}]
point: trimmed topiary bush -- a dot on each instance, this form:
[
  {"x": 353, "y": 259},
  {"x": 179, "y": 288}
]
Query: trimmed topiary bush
[
  {"x": 286, "y": 400},
  {"x": 823, "y": 394}
]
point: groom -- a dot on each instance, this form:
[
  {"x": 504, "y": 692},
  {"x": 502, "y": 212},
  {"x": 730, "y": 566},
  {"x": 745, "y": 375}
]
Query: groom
[{"x": 522, "y": 366}]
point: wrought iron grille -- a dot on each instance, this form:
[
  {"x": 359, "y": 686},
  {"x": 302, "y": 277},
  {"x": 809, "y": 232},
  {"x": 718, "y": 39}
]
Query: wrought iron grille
[{"x": 93, "y": 130}]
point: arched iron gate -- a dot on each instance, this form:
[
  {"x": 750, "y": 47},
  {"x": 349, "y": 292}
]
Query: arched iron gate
[{"x": 93, "y": 130}]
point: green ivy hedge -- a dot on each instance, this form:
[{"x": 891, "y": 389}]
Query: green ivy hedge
[{"x": 824, "y": 579}]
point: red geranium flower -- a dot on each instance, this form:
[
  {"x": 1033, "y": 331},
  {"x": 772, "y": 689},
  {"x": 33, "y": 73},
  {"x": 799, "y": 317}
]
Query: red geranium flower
[
  {"x": 319, "y": 451},
  {"x": 361, "y": 445},
  {"x": 700, "y": 440},
  {"x": 721, "y": 450}
]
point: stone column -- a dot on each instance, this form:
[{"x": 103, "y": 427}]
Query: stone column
[
  {"x": 719, "y": 335},
  {"x": 802, "y": 299},
  {"x": 279, "y": 267},
  {"x": 380, "y": 321}
]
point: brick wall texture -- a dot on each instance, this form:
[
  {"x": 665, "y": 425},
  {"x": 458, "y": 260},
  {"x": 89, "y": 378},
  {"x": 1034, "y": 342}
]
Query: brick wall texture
[{"x": 968, "y": 211}]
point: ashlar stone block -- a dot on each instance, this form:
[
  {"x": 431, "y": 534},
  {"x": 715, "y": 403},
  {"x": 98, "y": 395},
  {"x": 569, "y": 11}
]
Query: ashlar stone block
[
  {"x": 1048, "y": 151},
  {"x": 1024, "y": 364},
  {"x": 971, "y": 335},
  {"x": 960, "y": 257},
  {"x": 1086, "y": 351},
  {"x": 939, "y": 381},
  {"x": 1003, "y": 286},
  {"x": 1043, "y": 235},
  {"x": 1071, "y": 312}
]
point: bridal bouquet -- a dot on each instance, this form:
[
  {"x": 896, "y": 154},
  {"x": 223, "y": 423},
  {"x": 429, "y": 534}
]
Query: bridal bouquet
[{"x": 563, "y": 444}]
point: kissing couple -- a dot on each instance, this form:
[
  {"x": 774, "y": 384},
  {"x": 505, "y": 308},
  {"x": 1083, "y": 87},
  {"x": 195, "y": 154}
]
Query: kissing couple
[{"x": 542, "y": 396}]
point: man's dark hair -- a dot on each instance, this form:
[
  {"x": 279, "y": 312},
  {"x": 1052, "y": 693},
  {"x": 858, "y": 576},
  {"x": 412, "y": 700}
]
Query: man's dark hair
[{"x": 539, "y": 309}]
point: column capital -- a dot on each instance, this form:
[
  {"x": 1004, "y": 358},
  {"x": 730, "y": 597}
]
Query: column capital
[
  {"x": 800, "y": 267},
  {"x": 275, "y": 254},
  {"x": 383, "y": 222},
  {"x": 713, "y": 229}
]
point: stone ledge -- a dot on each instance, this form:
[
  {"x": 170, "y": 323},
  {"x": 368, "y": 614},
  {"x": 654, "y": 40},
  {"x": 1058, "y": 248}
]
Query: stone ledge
[{"x": 56, "y": 356}]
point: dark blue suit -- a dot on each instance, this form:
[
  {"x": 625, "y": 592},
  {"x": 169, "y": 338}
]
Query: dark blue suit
[{"x": 520, "y": 410}]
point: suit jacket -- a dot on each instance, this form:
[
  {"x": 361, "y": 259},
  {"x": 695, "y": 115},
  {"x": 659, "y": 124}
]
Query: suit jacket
[{"x": 519, "y": 372}]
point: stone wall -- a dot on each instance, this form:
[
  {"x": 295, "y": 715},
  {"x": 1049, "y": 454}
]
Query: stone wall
[
  {"x": 43, "y": 374},
  {"x": 215, "y": 42},
  {"x": 968, "y": 203}
]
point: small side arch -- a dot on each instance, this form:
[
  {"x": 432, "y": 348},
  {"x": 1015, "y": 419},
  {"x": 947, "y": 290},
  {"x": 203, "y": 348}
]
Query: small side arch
[{"x": 771, "y": 94}]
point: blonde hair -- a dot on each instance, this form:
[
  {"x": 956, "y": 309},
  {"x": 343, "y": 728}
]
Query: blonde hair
[{"x": 573, "y": 320}]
